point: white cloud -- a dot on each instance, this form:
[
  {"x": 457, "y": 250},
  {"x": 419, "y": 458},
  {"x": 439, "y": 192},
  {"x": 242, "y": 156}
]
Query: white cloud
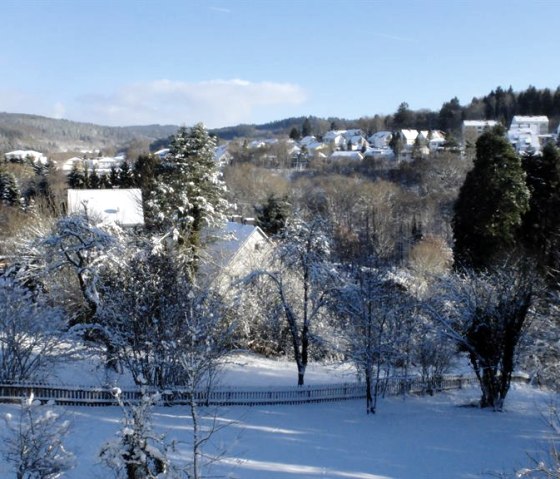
[
  {"x": 220, "y": 9},
  {"x": 215, "y": 102}
]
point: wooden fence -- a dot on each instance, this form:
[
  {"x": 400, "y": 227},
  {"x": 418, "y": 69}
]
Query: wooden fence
[{"x": 99, "y": 396}]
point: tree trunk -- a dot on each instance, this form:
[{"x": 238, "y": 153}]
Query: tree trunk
[
  {"x": 370, "y": 406},
  {"x": 196, "y": 444}
]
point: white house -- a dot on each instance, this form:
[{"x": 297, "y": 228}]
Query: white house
[
  {"x": 433, "y": 139},
  {"x": 528, "y": 133},
  {"x": 240, "y": 248},
  {"x": 22, "y": 155},
  {"x": 121, "y": 206},
  {"x": 380, "y": 139},
  {"x": 409, "y": 136},
  {"x": 472, "y": 129},
  {"x": 537, "y": 124},
  {"x": 385, "y": 153},
  {"x": 102, "y": 165},
  {"x": 346, "y": 155}
]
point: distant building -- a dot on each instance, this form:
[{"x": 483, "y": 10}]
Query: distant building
[
  {"x": 346, "y": 155},
  {"x": 22, "y": 155},
  {"x": 239, "y": 248},
  {"x": 121, "y": 206},
  {"x": 380, "y": 139},
  {"x": 528, "y": 134},
  {"x": 380, "y": 153},
  {"x": 472, "y": 129},
  {"x": 102, "y": 165},
  {"x": 537, "y": 124}
]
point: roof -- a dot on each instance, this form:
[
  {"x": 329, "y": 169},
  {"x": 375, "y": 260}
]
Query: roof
[
  {"x": 233, "y": 238},
  {"x": 23, "y": 154},
  {"x": 529, "y": 119},
  {"x": 409, "y": 135},
  {"x": 122, "y": 206},
  {"x": 347, "y": 155},
  {"x": 480, "y": 123}
]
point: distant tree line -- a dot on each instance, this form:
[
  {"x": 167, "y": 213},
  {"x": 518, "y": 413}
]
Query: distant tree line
[{"x": 500, "y": 104}]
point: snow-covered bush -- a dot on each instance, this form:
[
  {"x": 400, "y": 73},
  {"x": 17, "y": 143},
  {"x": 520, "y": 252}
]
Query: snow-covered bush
[
  {"x": 138, "y": 452},
  {"x": 29, "y": 331},
  {"x": 33, "y": 442}
]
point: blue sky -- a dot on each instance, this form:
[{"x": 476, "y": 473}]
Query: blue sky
[{"x": 125, "y": 62}]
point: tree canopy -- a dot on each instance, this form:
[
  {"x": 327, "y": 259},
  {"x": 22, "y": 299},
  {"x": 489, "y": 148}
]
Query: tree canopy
[{"x": 491, "y": 204}]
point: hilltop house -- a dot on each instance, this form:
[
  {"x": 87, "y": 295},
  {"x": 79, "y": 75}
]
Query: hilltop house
[
  {"x": 19, "y": 156},
  {"x": 380, "y": 139},
  {"x": 121, "y": 206},
  {"x": 472, "y": 129},
  {"x": 528, "y": 134},
  {"x": 346, "y": 155},
  {"x": 102, "y": 164},
  {"x": 234, "y": 252}
]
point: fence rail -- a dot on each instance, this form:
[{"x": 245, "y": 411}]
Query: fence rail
[{"x": 100, "y": 396}]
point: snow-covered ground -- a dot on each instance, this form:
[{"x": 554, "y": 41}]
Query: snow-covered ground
[
  {"x": 240, "y": 369},
  {"x": 439, "y": 437}
]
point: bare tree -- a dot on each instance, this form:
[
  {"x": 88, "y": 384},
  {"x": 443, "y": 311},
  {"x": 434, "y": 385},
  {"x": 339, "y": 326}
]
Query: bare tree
[
  {"x": 301, "y": 281},
  {"x": 34, "y": 442},
  {"x": 486, "y": 314},
  {"x": 205, "y": 342},
  {"x": 29, "y": 331},
  {"x": 368, "y": 306}
]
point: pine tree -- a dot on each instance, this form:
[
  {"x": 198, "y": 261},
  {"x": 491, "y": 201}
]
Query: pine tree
[
  {"x": 306, "y": 128},
  {"x": 9, "y": 189},
  {"x": 126, "y": 178},
  {"x": 295, "y": 134},
  {"x": 491, "y": 204},
  {"x": 189, "y": 193},
  {"x": 273, "y": 214},
  {"x": 114, "y": 177},
  {"x": 94, "y": 180},
  {"x": 76, "y": 177}
]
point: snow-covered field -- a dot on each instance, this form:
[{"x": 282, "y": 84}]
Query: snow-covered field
[{"x": 413, "y": 438}]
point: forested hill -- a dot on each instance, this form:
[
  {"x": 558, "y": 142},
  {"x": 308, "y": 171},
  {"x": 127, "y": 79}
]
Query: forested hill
[{"x": 49, "y": 135}]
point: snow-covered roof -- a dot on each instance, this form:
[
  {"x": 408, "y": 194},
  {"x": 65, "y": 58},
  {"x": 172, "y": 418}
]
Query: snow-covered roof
[
  {"x": 36, "y": 156},
  {"x": 409, "y": 135},
  {"x": 480, "y": 123},
  {"x": 347, "y": 155},
  {"x": 122, "y": 206},
  {"x": 529, "y": 119},
  {"x": 233, "y": 250},
  {"x": 162, "y": 153},
  {"x": 384, "y": 153},
  {"x": 307, "y": 140}
]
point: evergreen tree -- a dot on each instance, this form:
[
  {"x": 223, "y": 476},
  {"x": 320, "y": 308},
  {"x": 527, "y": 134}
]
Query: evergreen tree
[
  {"x": 541, "y": 224},
  {"x": 94, "y": 180},
  {"x": 76, "y": 177},
  {"x": 272, "y": 215},
  {"x": 86, "y": 176},
  {"x": 144, "y": 170},
  {"x": 295, "y": 134},
  {"x": 126, "y": 178},
  {"x": 404, "y": 117},
  {"x": 189, "y": 193},
  {"x": 396, "y": 144},
  {"x": 114, "y": 177},
  {"x": 9, "y": 189},
  {"x": 491, "y": 204},
  {"x": 306, "y": 128}
]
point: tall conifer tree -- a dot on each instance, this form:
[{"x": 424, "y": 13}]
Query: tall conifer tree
[{"x": 491, "y": 204}]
